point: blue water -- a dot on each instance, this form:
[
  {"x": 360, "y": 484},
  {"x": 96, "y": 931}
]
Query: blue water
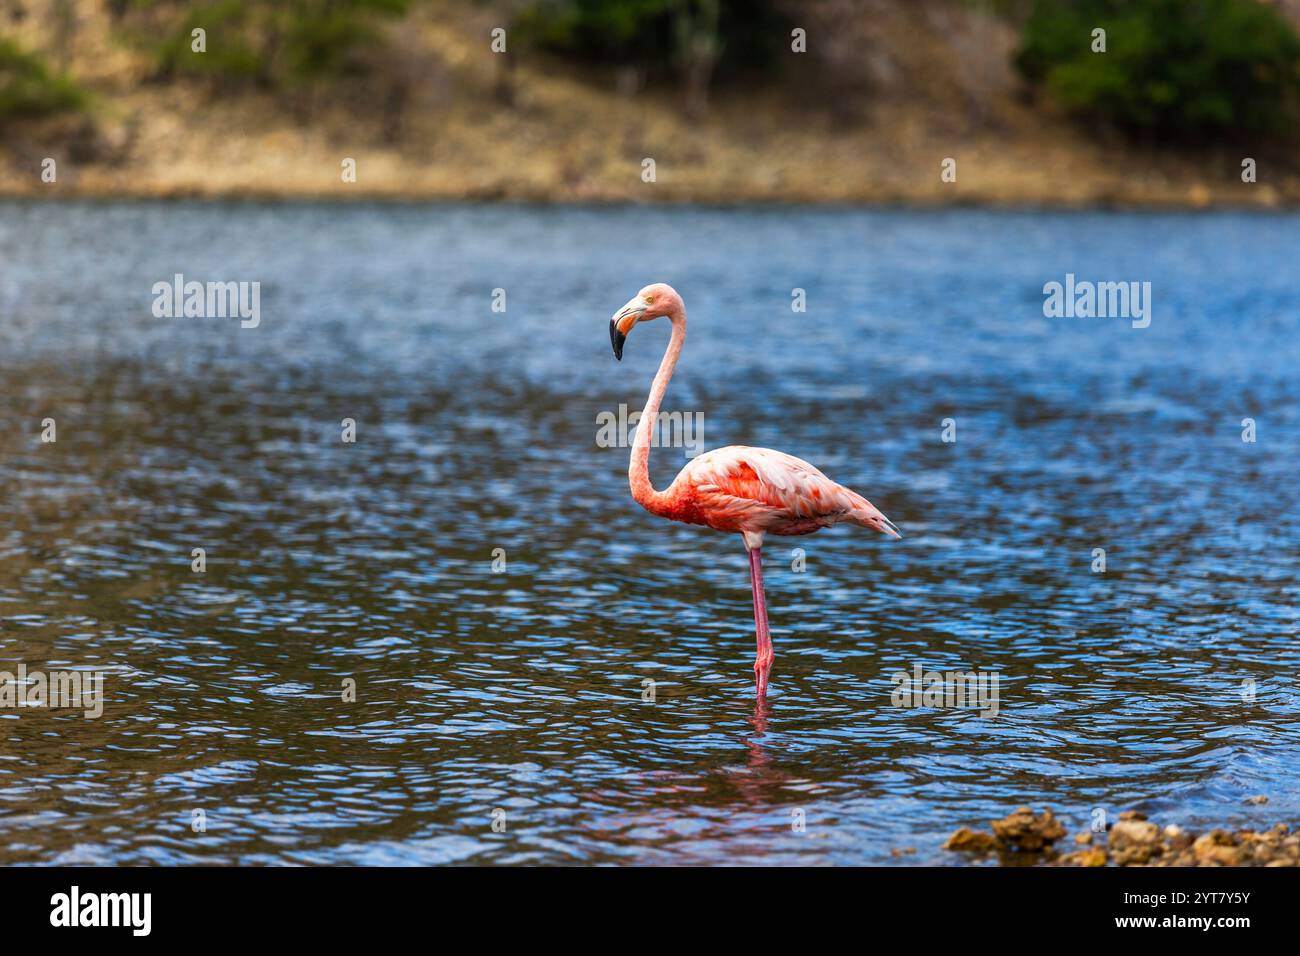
[{"x": 516, "y": 695}]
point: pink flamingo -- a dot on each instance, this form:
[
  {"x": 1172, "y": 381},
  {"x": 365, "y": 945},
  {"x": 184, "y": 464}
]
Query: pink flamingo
[{"x": 753, "y": 491}]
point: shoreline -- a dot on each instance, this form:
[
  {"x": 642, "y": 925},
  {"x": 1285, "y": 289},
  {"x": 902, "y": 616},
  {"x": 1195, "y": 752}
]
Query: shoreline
[
  {"x": 1025, "y": 838},
  {"x": 543, "y": 200}
]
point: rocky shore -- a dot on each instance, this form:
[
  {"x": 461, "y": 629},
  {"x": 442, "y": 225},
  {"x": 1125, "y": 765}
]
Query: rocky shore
[{"x": 1025, "y": 838}]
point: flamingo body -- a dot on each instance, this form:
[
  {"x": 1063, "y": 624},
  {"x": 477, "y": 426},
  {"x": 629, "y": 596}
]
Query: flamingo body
[{"x": 759, "y": 491}]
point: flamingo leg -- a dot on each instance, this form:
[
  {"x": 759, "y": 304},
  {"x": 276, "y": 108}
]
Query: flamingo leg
[{"x": 763, "y": 660}]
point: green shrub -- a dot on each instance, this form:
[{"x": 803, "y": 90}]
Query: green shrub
[
  {"x": 30, "y": 89},
  {"x": 653, "y": 34},
  {"x": 275, "y": 43},
  {"x": 1175, "y": 68},
  {"x": 231, "y": 49}
]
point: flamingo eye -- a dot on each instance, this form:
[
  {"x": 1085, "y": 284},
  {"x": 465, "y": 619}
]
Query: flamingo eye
[{"x": 649, "y": 299}]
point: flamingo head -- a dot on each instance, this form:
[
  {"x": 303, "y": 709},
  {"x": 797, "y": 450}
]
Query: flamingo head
[{"x": 654, "y": 300}]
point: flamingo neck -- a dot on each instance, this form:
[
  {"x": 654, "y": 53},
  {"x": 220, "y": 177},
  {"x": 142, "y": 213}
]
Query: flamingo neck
[{"x": 638, "y": 469}]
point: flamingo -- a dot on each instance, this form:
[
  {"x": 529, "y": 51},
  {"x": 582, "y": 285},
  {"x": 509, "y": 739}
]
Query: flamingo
[{"x": 753, "y": 491}]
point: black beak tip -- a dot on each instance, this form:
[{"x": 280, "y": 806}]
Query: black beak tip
[{"x": 616, "y": 339}]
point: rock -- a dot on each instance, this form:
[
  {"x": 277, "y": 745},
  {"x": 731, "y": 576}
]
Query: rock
[
  {"x": 1088, "y": 856},
  {"x": 1023, "y": 830},
  {"x": 1131, "y": 832},
  {"x": 1217, "y": 847},
  {"x": 1257, "y": 801},
  {"x": 967, "y": 840},
  {"x": 1083, "y": 838},
  {"x": 1134, "y": 841},
  {"x": 1177, "y": 837},
  {"x": 1093, "y": 857},
  {"x": 1132, "y": 815}
]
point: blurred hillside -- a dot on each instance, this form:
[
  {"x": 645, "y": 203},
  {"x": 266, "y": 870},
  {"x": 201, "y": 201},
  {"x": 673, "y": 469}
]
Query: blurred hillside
[{"x": 412, "y": 90}]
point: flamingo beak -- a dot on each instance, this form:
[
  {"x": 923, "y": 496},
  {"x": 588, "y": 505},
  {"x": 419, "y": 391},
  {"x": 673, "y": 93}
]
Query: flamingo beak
[
  {"x": 621, "y": 324},
  {"x": 616, "y": 339}
]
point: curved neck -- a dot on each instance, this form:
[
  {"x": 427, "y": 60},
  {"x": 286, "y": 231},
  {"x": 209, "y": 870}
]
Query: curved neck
[{"x": 638, "y": 469}]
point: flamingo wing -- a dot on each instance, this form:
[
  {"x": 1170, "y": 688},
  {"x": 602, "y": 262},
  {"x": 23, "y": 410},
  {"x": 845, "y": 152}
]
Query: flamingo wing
[{"x": 762, "y": 490}]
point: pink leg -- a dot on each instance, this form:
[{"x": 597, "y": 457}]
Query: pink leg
[{"x": 763, "y": 662}]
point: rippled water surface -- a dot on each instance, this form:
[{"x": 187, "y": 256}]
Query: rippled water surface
[{"x": 521, "y": 691}]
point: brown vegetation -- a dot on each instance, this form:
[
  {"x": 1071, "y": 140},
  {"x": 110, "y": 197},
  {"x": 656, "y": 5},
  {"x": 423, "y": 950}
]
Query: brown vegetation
[{"x": 885, "y": 94}]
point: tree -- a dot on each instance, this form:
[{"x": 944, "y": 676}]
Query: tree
[
  {"x": 1175, "y": 68},
  {"x": 30, "y": 89},
  {"x": 687, "y": 36}
]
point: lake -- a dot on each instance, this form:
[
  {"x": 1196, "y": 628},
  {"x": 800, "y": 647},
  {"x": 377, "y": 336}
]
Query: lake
[{"x": 437, "y": 643}]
